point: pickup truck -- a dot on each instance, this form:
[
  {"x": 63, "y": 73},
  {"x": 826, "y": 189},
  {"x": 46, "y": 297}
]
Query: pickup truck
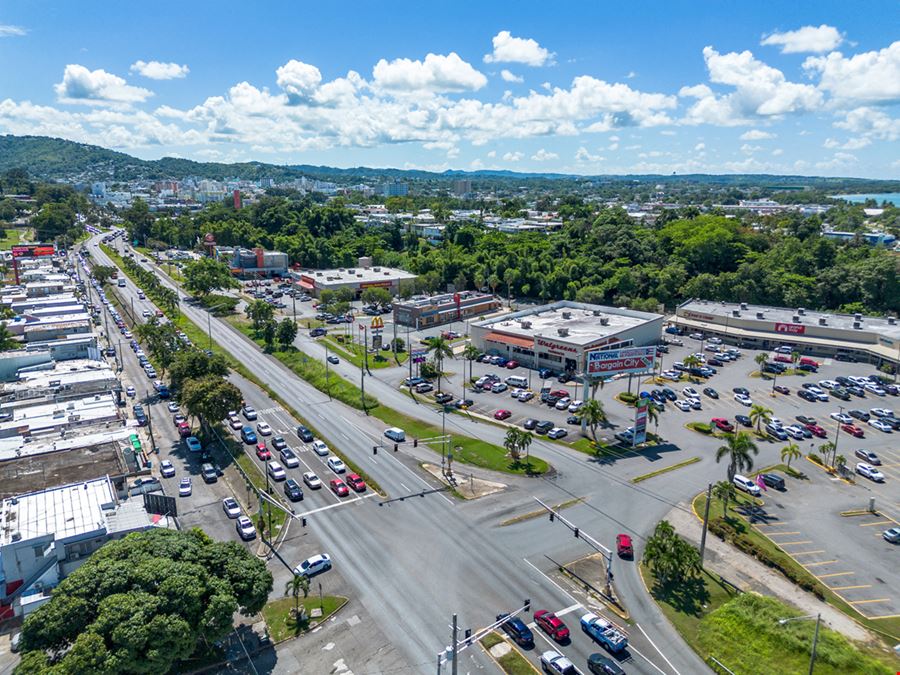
[{"x": 604, "y": 633}]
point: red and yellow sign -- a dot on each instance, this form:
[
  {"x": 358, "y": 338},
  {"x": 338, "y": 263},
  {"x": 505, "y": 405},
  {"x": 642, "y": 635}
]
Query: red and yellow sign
[{"x": 377, "y": 323}]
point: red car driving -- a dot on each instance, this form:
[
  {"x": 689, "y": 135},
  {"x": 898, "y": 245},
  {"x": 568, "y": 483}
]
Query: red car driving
[
  {"x": 339, "y": 488},
  {"x": 552, "y": 625},
  {"x": 356, "y": 483},
  {"x": 624, "y": 546},
  {"x": 263, "y": 452}
]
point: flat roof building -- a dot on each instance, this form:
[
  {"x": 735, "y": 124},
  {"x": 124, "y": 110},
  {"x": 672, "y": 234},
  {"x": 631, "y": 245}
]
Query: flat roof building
[
  {"x": 358, "y": 278},
  {"x": 435, "y": 310},
  {"x": 844, "y": 336},
  {"x": 245, "y": 262},
  {"x": 559, "y": 335}
]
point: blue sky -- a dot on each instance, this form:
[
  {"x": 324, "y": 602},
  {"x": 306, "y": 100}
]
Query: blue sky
[{"x": 581, "y": 87}]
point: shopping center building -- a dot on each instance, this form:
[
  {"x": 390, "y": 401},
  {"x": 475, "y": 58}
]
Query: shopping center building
[
  {"x": 855, "y": 337},
  {"x": 559, "y": 335},
  {"x": 358, "y": 278}
]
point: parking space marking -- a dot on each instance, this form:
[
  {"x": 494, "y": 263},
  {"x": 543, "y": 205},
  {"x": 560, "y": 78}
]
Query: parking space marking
[
  {"x": 880, "y": 522},
  {"x": 847, "y": 588},
  {"x": 823, "y": 562},
  {"x": 884, "y": 616},
  {"x": 772, "y": 534},
  {"x": 865, "y": 602},
  {"x": 821, "y": 550},
  {"x": 792, "y": 543},
  {"x": 833, "y": 574}
]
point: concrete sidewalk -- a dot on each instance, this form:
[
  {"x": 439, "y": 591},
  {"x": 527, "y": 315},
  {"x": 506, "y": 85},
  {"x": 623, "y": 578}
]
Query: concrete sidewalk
[{"x": 751, "y": 575}]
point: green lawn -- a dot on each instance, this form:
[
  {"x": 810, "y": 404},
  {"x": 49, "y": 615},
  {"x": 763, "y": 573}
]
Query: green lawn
[
  {"x": 11, "y": 237},
  {"x": 512, "y": 663},
  {"x": 665, "y": 469},
  {"x": 743, "y": 633},
  {"x": 472, "y": 451},
  {"x": 282, "y": 625},
  {"x": 352, "y": 352}
]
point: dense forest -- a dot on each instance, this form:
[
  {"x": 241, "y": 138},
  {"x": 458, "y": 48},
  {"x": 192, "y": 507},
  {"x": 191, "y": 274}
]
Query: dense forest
[{"x": 598, "y": 256}]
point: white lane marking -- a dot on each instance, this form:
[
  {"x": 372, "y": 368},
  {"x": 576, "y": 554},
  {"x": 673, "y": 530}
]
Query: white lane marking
[
  {"x": 632, "y": 649},
  {"x": 569, "y": 609},
  {"x": 404, "y": 487},
  {"x": 560, "y": 588},
  {"x": 657, "y": 649},
  {"x": 341, "y": 503}
]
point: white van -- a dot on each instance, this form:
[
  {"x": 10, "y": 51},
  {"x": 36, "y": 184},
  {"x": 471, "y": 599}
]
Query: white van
[
  {"x": 745, "y": 484},
  {"x": 395, "y": 434},
  {"x": 517, "y": 381}
]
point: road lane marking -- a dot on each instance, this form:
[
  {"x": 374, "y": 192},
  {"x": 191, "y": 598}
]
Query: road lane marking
[
  {"x": 657, "y": 649},
  {"x": 560, "y": 588},
  {"x": 332, "y": 506},
  {"x": 865, "y": 602},
  {"x": 823, "y": 562},
  {"x": 884, "y": 616},
  {"x": 847, "y": 588},
  {"x": 773, "y": 534},
  {"x": 833, "y": 574},
  {"x": 569, "y": 609}
]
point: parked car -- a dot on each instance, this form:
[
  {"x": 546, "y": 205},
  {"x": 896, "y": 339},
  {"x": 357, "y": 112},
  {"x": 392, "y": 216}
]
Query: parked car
[
  {"x": 167, "y": 469},
  {"x": 184, "y": 487},
  {"x": 853, "y": 430},
  {"x": 193, "y": 444},
  {"x": 868, "y": 471},
  {"x": 722, "y": 424},
  {"x": 746, "y": 485},
  {"x": 868, "y": 456},
  {"x": 557, "y": 432},
  {"x": 892, "y": 535},
  {"x": 781, "y": 389},
  {"x": 231, "y": 508},
  {"x": 245, "y": 529},
  {"x": 502, "y": 414},
  {"x": 743, "y": 420},
  {"x": 712, "y": 393},
  {"x": 773, "y": 480},
  {"x": 743, "y": 399}
]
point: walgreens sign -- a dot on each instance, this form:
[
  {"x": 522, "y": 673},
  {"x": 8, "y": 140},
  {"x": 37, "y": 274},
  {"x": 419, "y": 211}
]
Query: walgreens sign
[
  {"x": 615, "y": 361},
  {"x": 790, "y": 328}
]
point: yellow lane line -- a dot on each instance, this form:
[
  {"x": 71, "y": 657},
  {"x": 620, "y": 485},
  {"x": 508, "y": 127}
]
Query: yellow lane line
[
  {"x": 773, "y": 534},
  {"x": 792, "y": 543},
  {"x": 833, "y": 574},
  {"x": 865, "y": 602},
  {"x": 880, "y": 522},
  {"x": 847, "y": 588},
  {"x": 806, "y": 552},
  {"x": 884, "y": 616},
  {"x": 824, "y": 562}
]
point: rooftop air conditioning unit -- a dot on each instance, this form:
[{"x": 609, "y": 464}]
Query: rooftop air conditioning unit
[
  {"x": 823, "y": 321},
  {"x": 892, "y": 320},
  {"x": 604, "y": 320},
  {"x": 596, "y": 312},
  {"x": 563, "y": 332},
  {"x": 525, "y": 324},
  {"x": 351, "y": 271},
  {"x": 376, "y": 269},
  {"x": 801, "y": 310},
  {"x": 760, "y": 315},
  {"x": 857, "y": 316},
  {"x": 735, "y": 312},
  {"x": 743, "y": 305},
  {"x": 567, "y": 315},
  {"x": 857, "y": 325},
  {"x": 796, "y": 318}
]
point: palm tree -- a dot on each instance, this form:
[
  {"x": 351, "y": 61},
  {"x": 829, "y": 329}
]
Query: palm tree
[
  {"x": 739, "y": 448},
  {"x": 295, "y": 586},
  {"x": 441, "y": 348},
  {"x": 795, "y": 357},
  {"x": 592, "y": 414},
  {"x": 761, "y": 360},
  {"x": 760, "y": 414},
  {"x": 725, "y": 491},
  {"x": 789, "y": 452},
  {"x": 653, "y": 410},
  {"x": 470, "y": 353},
  {"x": 525, "y": 438},
  {"x": 511, "y": 443},
  {"x": 840, "y": 461},
  {"x": 827, "y": 449}
]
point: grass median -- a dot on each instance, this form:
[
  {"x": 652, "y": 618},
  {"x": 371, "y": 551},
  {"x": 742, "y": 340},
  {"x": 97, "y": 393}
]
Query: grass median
[
  {"x": 512, "y": 662},
  {"x": 283, "y": 624},
  {"x": 353, "y": 352},
  {"x": 665, "y": 469}
]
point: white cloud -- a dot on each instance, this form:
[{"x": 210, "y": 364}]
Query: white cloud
[
  {"x": 857, "y": 143},
  {"x": 748, "y": 149},
  {"x": 544, "y": 156},
  {"x": 513, "y": 156},
  {"x": 80, "y": 85},
  {"x": 777, "y": 152},
  {"x": 814, "y": 39},
  {"x": 509, "y": 49},
  {"x": 156, "y": 70},
  {"x": 757, "y": 135},
  {"x": 584, "y": 155},
  {"x": 699, "y": 147},
  {"x": 759, "y": 91},
  {"x": 871, "y": 76},
  {"x": 631, "y": 74},
  {"x": 492, "y": 154},
  {"x": 298, "y": 80},
  {"x": 871, "y": 123},
  {"x": 838, "y": 160},
  {"x": 438, "y": 73},
  {"x": 7, "y": 30},
  {"x": 511, "y": 77}
]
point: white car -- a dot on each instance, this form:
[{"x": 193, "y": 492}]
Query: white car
[
  {"x": 882, "y": 412},
  {"x": 146, "y": 313},
  {"x": 336, "y": 464},
  {"x": 526, "y": 395},
  {"x": 130, "y": 391},
  {"x": 276, "y": 471},
  {"x": 873, "y": 388},
  {"x": 245, "y": 529},
  {"x": 319, "y": 448},
  {"x": 842, "y": 418},
  {"x": 795, "y": 432},
  {"x": 870, "y": 472},
  {"x": 314, "y": 565},
  {"x": 499, "y": 387},
  {"x": 166, "y": 468},
  {"x": 184, "y": 488},
  {"x": 575, "y": 406},
  {"x": 690, "y": 392},
  {"x": 231, "y": 508},
  {"x": 263, "y": 429},
  {"x": 556, "y": 664},
  {"x": 290, "y": 459},
  {"x": 881, "y": 426},
  {"x": 683, "y": 405},
  {"x": 557, "y": 432},
  {"x": 563, "y": 403},
  {"x": 858, "y": 381},
  {"x": 829, "y": 384},
  {"x": 235, "y": 423},
  {"x": 694, "y": 403},
  {"x": 743, "y": 399},
  {"x": 515, "y": 393},
  {"x": 715, "y": 341},
  {"x": 313, "y": 482},
  {"x": 173, "y": 407}
]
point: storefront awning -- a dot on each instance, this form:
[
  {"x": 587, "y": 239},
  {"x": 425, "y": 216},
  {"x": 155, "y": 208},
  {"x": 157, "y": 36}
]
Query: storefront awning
[
  {"x": 527, "y": 343},
  {"x": 306, "y": 284}
]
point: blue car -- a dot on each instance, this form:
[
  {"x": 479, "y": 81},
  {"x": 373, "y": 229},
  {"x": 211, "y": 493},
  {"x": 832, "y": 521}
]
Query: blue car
[
  {"x": 248, "y": 435},
  {"x": 193, "y": 444}
]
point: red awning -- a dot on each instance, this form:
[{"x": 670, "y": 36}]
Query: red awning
[
  {"x": 306, "y": 284},
  {"x": 527, "y": 343}
]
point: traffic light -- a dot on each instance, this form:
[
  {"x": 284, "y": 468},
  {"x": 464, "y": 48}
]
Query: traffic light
[
  {"x": 396, "y": 447},
  {"x": 576, "y": 533},
  {"x": 415, "y": 442},
  {"x": 468, "y": 633},
  {"x": 552, "y": 516},
  {"x": 374, "y": 449},
  {"x": 527, "y": 604},
  {"x": 303, "y": 521}
]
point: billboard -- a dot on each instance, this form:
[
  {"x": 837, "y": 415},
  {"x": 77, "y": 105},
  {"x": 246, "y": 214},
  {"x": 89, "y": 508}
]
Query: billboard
[
  {"x": 32, "y": 250},
  {"x": 640, "y": 422},
  {"x": 790, "y": 328},
  {"x": 616, "y": 361}
]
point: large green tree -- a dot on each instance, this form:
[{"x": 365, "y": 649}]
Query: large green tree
[
  {"x": 210, "y": 398},
  {"x": 286, "y": 333},
  {"x": 259, "y": 312},
  {"x": 161, "y": 340},
  {"x": 592, "y": 414},
  {"x": 189, "y": 364},
  {"x": 669, "y": 557},
  {"x": 205, "y": 275},
  {"x": 143, "y": 603}
]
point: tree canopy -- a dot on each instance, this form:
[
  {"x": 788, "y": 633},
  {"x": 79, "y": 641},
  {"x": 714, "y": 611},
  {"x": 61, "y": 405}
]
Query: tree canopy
[
  {"x": 205, "y": 275},
  {"x": 141, "y": 604}
]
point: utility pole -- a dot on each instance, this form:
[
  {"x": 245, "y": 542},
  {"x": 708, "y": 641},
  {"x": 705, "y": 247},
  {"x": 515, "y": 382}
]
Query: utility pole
[
  {"x": 837, "y": 433},
  {"x": 366, "y": 348},
  {"x": 362, "y": 384},
  {"x": 327, "y": 380},
  {"x": 705, "y": 522},
  {"x": 409, "y": 351},
  {"x": 455, "y": 647},
  {"x": 150, "y": 424},
  {"x": 812, "y": 658}
]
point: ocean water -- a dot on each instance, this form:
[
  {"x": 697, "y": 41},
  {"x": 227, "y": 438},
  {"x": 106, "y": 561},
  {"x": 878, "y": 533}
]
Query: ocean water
[{"x": 892, "y": 197}]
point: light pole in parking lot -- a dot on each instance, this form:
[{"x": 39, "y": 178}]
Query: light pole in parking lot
[
  {"x": 815, "y": 642},
  {"x": 837, "y": 433}
]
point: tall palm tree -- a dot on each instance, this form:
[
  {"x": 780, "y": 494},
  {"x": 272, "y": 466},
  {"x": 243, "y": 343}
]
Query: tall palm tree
[
  {"x": 470, "y": 353},
  {"x": 827, "y": 448},
  {"x": 511, "y": 443},
  {"x": 790, "y": 452},
  {"x": 691, "y": 361},
  {"x": 760, "y": 414},
  {"x": 653, "y": 411},
  {"x": 725, "y": 491},
  {"x": 740, "y": 449},
  {"x": 761, "y": 360},
  {"x": 795, "y": 358},
  {"x": 525, "y": 438},
  {"x": 442, "y": 348},
  {"x": 840, "y": 461},
  {"x": 296, "y": 585},
  {"x": 592, "y": 414}
]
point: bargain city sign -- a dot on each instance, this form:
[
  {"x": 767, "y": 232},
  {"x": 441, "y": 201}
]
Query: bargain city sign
[{"x": 616, "y": 361}]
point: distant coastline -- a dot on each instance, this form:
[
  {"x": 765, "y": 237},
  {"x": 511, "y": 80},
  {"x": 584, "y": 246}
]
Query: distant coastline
[{"x": 892, "y": 197}]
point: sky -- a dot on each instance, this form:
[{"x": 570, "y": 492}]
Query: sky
[{"x": 590, "y": 87}]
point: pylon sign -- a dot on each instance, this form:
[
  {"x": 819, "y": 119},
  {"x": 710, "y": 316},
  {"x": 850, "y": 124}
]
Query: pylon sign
[{"x": 377, "y": 326}]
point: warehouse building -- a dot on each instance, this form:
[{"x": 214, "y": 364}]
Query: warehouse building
[
  {"x": 435, "y": 310},
  {"x": 849, "y": 337},
  {"x": 358, "y": 278},
  {"x": 559, "y": 335}
]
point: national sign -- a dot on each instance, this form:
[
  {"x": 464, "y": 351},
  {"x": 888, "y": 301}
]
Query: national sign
[{"x": 615, "y": 361}]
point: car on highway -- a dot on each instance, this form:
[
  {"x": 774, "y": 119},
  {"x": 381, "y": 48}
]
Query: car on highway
[
  {"x": 743, "y": 399},
  {"x": 249, "y": 412},
  {"x": 356, "y": 483},
  {"x": 722, "y": 424},
  {"x": 193, "y": 444},
  {"x": 289, "y": 458},
  {"x": 853, "y": 430},
  {"x": 556, "y": 664},
  {"x": 336, "y": 464},
  {"x": 278, "y": 443},
  {"x": 868, "y": 471},
  {"x": 552, "y": 625},
  {"x": 263, "y": 429},
  {"x": 245, "y": 529},
  {"x": 292, "y": 490},
  {"x": 624, "y": 547},
  {"x": 557, "y": 432},
  {"x": 892, "y": 535},
  {"x": 712, "y": 393},
  {"x": 166, "y": 468},
  {"x": 304, "y": 434},
  {"x": 319, "y": 448},
  {"x": 516, "y": 629},
  {"x": 231, "y": 508},
  {"x": 313, "y": 565},
  {"x": 235, "y": 422},
  {"x": 339, "y": 488},
  {"x": 600, "y": 664},
  {"x": 276, "y": 471},
  {"x": 248, "y": 435},
  {"x": 313, "y": 482},
  {"x": 333, "y": 359},
  {"x": 881, "y": 425},
  {"x": 172, "y": 407},
  {"x": 868, "y": 456},
  {"x": 184, "y": 487},
  {"x": 604, "y": 632}
]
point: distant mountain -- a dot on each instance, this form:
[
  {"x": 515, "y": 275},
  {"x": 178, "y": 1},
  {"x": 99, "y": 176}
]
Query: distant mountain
[{"x": 58, "y": 159}]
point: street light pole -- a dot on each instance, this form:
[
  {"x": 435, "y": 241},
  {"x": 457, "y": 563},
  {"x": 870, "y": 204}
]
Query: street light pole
[
  {"x": 705, "y": 523},
  {"x": 815, "y": 642},
  {"x": 837, "y": 433}
]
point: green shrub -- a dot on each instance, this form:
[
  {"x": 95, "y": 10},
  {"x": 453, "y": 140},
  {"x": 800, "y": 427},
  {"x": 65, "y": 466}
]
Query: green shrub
[
  {"x": 814, "y": 457},
  {"x": 628, "y": 398},
  {"x": 702, "y": 427}
]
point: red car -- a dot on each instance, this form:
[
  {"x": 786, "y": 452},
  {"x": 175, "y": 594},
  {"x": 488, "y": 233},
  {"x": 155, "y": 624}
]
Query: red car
[
  {"x": 853, "y": 430},
  {"x": 263, "y": 452},
  {"x": 722, "y": 424},
  {"x": 339, "y": 488},
  {"x": 781, "y": 358},
  {"x": 781, "y": 389},
  {"x": 512, "y": 365},
  {"x": 816, "y": 430},
  {"x": 502, "y": 414},
  {"x": 560, "y": 393},
  {"x": 552, "y": 625},
  {"x": 184, "y": 429},
  {"x": 357, "y": 483},
  {"x": 623, "y": 546}
]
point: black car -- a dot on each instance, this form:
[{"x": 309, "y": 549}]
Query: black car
[
  {"x": 773, "y": 480},
  {"x": 743, "y": 419},
  {"x": 662, "y": 349},
  {"x": 776, "y": 368},
  {"x": 464, "y": 403},
  {"x": 808, "y": 367},
  {"x": 843, "y": 381},
  {"x": 715, "y": 362},
  {"x": 530, "y": 423},
  {"x": 139, "y": 415},
  {"x": 839, "y": 392},
  {"x": 712, "y": 393},
  {"x": 333, "y": 359},
  {"x": 318, "y": 332},
  {"x": 551, "y": 400},
  {"x": 741, "y": 390},
  {"x": 545, "y": 373},
  {"x": 806, "y": 395},
  {"x": 669, "y": 394},
  {"x": 304, "y": 434},
  {"x": 544, "y": 426},
  {"x": 600, "y": 664},
  {"x": 516, "y": 629},
  {"x": 292, "y": 490},
  {"x": 278, "y": 443},
  {"x": 861, "y": 415},
  {"x": 573, "y": 419}
]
